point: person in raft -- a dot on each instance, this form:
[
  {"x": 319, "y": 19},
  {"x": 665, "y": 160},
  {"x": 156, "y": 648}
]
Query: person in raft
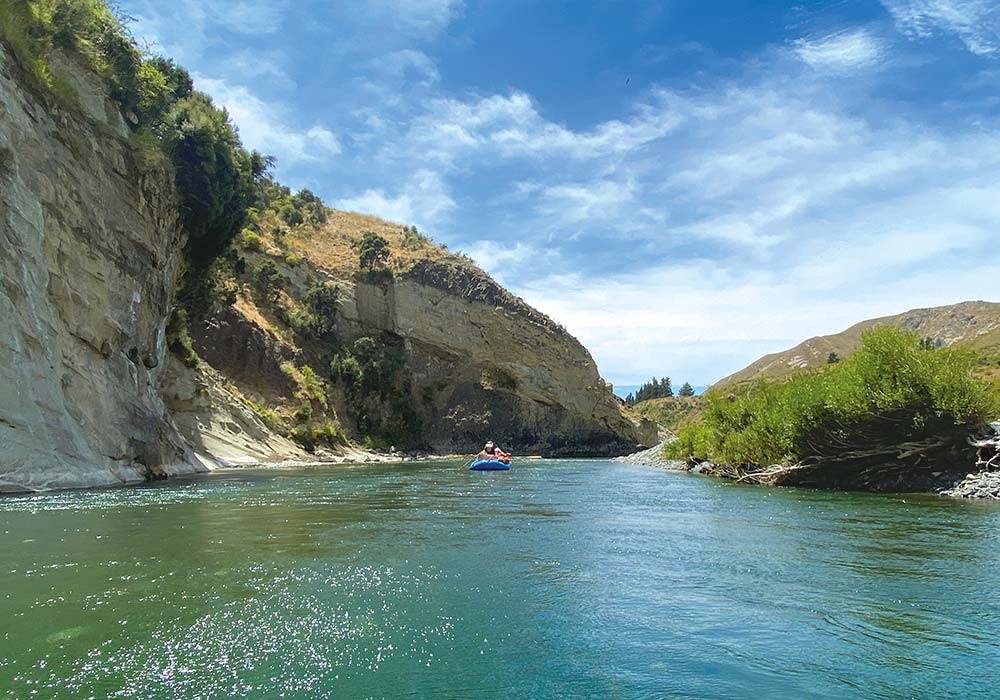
[{"x": 492, "y": 452}]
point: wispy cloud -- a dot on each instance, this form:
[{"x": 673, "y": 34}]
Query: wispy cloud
[
  {"x": 815, "y": 216},
  {"x": 263, "y": 66},
  {"x": 180, "y": 29},
  {"x": 423, "y": 18},
  {"x": 268, "y": 126},
  {"x": 423, "y": 200},
  {"x": 510, "y": 125},
  {"x": 572, "y": 203},
  {"x": 407, "y": 64},
  {"x": 842, "y": 51},
  {"x": 975, "y": 22},
  {"x": 249, "y": 16}
]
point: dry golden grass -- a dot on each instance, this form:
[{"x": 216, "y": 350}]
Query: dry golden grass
[
  {"x": 264, "y": 321},
  {"x": 329, "y": 247}
]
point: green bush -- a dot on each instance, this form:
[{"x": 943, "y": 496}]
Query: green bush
[
  {"x": 179, "y": 341},
  {"x": 268, "y": 416},
  {"x": 322, "y": 301},
  {"x": 308, "y": 386},
  {"x": 891, "y": 380},
  {"x": 268, "y": 281},
  {"x": 250, "y": 240},
  {"x": 373, "y": 251},
  {"x": 413, "y": 239},
  {"x": 370, "y": 367},
  {"x": 498, "y": 378},
  {"x": 213, "y": 173},
  {"x": 327, "y": 433}
]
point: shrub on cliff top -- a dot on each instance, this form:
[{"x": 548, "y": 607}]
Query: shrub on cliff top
[
  {"x": 373, "y": 251},
  {"x": 214, "y": 174},
  {"x": 891, "y": 380}
]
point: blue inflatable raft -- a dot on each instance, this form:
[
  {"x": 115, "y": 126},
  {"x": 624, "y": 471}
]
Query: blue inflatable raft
[{"x": 488, "y": 465}]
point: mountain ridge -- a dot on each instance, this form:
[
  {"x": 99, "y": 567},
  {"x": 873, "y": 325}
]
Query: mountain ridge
[{"x": 975, "y": 324}]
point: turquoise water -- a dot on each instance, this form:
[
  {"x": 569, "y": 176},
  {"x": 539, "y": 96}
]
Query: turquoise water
[{"x": 557, "y": 579}]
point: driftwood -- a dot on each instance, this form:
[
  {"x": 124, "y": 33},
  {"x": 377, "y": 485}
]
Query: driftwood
[{"x": 988, "y": 449}]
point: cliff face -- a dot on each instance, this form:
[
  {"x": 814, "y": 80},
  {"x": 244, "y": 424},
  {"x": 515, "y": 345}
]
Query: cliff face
[
  {"x": 477, "y": 363},
  {"x": 486, "y": 365},
  {"x": 90, "y": 247}
]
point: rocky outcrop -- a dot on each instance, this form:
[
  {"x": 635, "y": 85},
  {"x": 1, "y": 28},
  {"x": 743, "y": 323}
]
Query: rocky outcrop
[
  {"x": 985, "y": 483},
  {"x": 90, "y": 247},
  {"x": 979, "y": 485},
  {"x": 221, "y": 428},
  {"x": 485, "y": 364},
  {"x": 653, "y": 457}
]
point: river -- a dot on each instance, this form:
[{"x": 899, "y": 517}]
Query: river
[{"x": 558, "y": 579}]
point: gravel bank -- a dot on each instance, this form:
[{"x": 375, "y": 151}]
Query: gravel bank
[
  {"x": 981, "y": 485},
  {"x": 653, "y": 457}
]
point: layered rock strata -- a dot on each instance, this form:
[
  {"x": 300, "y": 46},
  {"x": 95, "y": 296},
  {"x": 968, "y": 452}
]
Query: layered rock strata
[{"x": 90, "y": 247}]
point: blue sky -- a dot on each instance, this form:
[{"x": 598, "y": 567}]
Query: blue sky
[{"x": 685, "y": 185}]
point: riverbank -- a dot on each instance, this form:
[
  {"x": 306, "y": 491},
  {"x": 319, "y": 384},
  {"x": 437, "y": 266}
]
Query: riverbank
[
  {"x": 976, "y": 485},
  {"x": 653, "y": 457}
]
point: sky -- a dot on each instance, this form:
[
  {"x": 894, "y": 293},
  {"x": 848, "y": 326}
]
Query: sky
[{"x": 685, "y": 185}]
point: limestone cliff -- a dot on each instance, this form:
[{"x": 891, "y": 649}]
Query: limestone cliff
[
  {"x": 485, "y": 364},
  {"x": 90, "y": 248},
  {"x": 475, "y": 361}
]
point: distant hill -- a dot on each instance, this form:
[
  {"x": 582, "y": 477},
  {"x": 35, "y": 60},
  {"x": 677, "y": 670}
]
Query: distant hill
[{"x": 974, "y": 324}]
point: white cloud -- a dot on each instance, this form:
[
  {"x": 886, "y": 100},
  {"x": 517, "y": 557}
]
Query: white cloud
[
  {"x": 424, "y": 18},
  {"x": 184, "y": 29},
  {"x": 975, "y": 22},
  {"x": 511, "y": 126},
  {"x": 407, "y": 63},
  {"x": 423, "y": 201},
  {"x": 265, "y": 126},
  {"x": 572, "y": 203},
  {"x": 507, "y": 263},
  {"x": 699, "y": 321},
  {"x": 817, "y": 218},
  {"x": 264, "y": 67},
  {"x": 841, "y": 52},
  {"x": 249, "y": 16}
]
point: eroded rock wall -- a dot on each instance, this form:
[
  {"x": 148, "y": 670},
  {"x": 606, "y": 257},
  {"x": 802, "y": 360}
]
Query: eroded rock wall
[
  {"x": 90, "y": 246},
  {"x": 485, "y": 364}
]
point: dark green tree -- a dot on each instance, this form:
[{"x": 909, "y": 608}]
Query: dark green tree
[
  {"x": 214, "y": 174},
  {"x": 373, "y": 251},
  {"x": 686, "y": 390},
  {"x": 322, "y": 303},
  {"x": 268, "y": 280},
  {"x": 832, "y": 359}
]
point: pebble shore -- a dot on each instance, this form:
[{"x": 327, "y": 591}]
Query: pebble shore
[
  {"x": 653, "y": 457},
  {"x": 981, "y": 485}
]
